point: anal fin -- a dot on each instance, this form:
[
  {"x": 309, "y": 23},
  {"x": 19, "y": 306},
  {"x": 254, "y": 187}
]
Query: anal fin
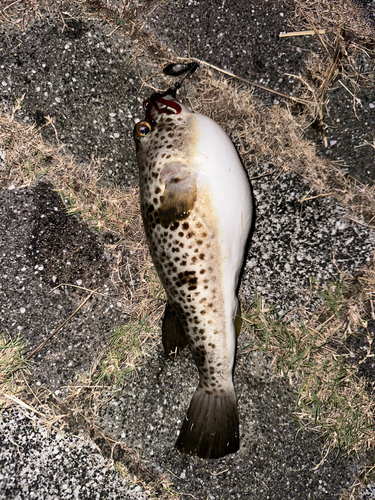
[{"x": 173, "y": 336}]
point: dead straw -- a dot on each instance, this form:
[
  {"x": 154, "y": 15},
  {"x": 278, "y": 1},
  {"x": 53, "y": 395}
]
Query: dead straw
[{"x": 253, "y": 84}]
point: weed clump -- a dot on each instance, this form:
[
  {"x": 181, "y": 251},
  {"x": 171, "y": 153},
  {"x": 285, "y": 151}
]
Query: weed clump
[{"x": 311, "y": 351}]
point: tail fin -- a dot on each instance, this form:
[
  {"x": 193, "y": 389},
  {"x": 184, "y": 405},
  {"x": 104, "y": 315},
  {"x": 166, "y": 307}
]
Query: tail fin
[{"x": 210, "y": 429}]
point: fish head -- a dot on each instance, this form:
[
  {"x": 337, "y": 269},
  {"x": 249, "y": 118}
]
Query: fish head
[
  {"x": 165, "y": 147},
  {"x": 157, "y": 109}
]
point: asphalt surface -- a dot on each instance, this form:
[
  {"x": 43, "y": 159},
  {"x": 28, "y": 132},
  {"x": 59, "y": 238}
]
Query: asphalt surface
[{"x": 92, "y": 94}]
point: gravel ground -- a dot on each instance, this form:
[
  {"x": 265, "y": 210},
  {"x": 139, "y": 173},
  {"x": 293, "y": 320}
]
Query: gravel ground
[
  {"x": 55, "y": 466},
  {"x": 295, "y": 242}
]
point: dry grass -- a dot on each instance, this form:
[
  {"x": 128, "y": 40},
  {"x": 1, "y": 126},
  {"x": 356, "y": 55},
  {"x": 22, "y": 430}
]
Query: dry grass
[
  {"x": 12, "y": 367},
  {"x": 347, "y": 43},
  {"x": 19, "y": 14},
  {"x": 27, "y": 158},
  {"x": 342, "y": 19},
  {"x": 311, "y": 352}
]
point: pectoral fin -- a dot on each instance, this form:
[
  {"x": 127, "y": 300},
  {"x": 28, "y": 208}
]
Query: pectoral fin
[
  {"x": 173, "y": 336},
  {"x": 179, "y": 194}
]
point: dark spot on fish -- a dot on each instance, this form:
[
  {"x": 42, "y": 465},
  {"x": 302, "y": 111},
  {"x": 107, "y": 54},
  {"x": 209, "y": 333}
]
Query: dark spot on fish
[
  {"x": 185, "y": 225},
  {"x": 201, "y": 256},
  {"x": 180, "y": 234},
  {"x": 193, "y": 259},
  {"x": 202, "y": 271},
  {"x": 190, "y": 234},
  {"x": 157, "y": 190},
  {"x": 174, "y": 226}
]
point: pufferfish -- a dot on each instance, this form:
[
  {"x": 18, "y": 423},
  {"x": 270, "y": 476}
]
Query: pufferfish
[{"x": 197, "y": 212}]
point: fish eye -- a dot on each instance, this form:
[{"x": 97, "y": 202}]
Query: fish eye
[{"x": 142, "y": 129}]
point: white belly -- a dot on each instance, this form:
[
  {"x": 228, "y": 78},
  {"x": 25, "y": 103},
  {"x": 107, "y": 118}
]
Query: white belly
[{"x": 221, "y": 169}]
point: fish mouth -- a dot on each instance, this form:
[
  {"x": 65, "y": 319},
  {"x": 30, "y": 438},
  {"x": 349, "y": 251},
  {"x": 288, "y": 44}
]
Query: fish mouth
[{"x": 158, "y": 102}]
